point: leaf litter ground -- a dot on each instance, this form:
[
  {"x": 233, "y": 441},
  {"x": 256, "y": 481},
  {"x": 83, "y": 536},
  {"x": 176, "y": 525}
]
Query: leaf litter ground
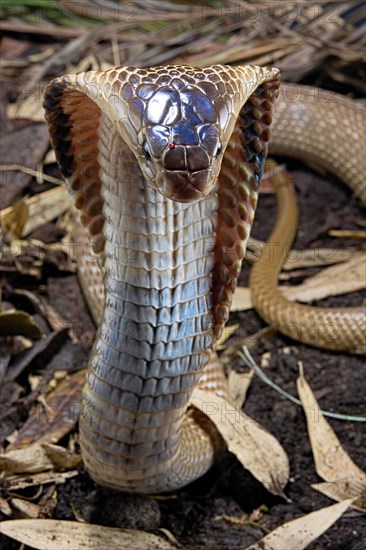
[{"x": 228, "y": 508}]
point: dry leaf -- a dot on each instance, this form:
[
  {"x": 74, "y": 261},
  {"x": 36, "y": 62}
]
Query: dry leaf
[
  {"x": 42, "y": 208},
  {"x": 341, "y": 489},
  {"x": 169, "y": 536},
  {"x": 40, "y": 305},
  {"x": 242, "y": 299},
  {"x": 300, "y": 532},
  {"x": 13, "y": 220},
  {"x": 61, "y": 457},
  {"x": 45, "y": 207},
  {"x": 50, "y": 158},
  {"x": 332, "y": 281},
  {"x": 16, "y": 322},
  {"x": 5, "y": 507},
  {"x": 332, "y": 463},
  {"x": 48, "y": 534},
  {"x": 258, "y": 450},
  {"x": 31, "y": 459},
  {"x": 42, "y": 349},
  {"x": 25, "y": 147},
  {"x": 27, "y": 509},
  {"x": 30, "y": 108},
  {"x": 30, "y": 257},
  {"x": 238, "y": 384},
  {"x": 59, "y": 413}
]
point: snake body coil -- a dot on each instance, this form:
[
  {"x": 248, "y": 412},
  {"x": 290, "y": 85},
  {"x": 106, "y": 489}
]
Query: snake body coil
[{"x": 165, "y": 165}]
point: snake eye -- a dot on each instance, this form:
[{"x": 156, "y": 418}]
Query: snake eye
[
  {"x": 146, "y": 151},
  {"x": 218, "y": 151}
]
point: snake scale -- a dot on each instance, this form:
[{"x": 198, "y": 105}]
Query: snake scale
[{"x": 165, "y": 164}]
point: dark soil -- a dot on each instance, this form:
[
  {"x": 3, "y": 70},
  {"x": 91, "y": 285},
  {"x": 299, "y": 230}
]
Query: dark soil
[{"x": 199, "y": 515}]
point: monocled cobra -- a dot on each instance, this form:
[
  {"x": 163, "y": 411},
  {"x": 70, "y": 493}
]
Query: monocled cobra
[{"x": 165, "y": 164}]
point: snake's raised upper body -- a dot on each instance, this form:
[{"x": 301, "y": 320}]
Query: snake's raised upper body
[{"x": 164, "y": 164}]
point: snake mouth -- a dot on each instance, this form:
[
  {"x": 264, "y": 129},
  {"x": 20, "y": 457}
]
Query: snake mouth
[
  {"x": 185, "y": 186},
  {"x": 188, "y": 194}
]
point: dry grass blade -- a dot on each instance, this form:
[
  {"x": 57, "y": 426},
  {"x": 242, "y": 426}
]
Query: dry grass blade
[
  {"x": 204, "y": 33},
  {"x": 332, "y": 463},
  {"x": 300, "y": 532},
  {"x": 317, "y": 257},
  {"x": 17, "y": 482},
  {"x": 347, "y": 234},
  {"x": 257, "y": 450},
  {"x": 48, "y": 534},
  {"x": 249, "y": 361},
  {"x": 19, "y": 168},
  {"x": 47, "y": 30},
  {"x": 226, "y": 334}
]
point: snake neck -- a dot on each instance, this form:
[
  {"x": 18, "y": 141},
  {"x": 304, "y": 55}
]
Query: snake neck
[
  {"x": 158, "y": 266},
  {"x": 157, "y": 328},
  {"x": 159, "y": 258},
  {"x": 170, "y": 270}
]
